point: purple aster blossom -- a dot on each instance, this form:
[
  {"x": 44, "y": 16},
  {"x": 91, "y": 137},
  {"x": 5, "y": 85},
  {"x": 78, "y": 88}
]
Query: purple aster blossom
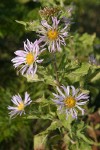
[
  {"x": 27, "y": 59},
  {"x": 53, "y": 36},
  {"x": 20, "y": 105},
  {"x": 66, "y": 20},
  {"x": 92, "y": 60},
  {"x": 70, "y": 101}
]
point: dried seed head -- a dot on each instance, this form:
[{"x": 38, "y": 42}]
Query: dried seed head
[{"x": 48, "y": 11}]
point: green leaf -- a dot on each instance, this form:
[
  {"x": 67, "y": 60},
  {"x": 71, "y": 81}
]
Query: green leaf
[
  {"x": 78, "y": 73},
  {"x": 87, "y": 39},
  {"x": 96, "y": 78},
  {"x": 30, "y": 26},
  {"x": 48, "y": 79},
  {"x": 33, "y": 78},
  {"x": 40, "y": 141},
  {"x": 21, "y": 22},
  {"x": 65, "y": 122},
  {"x": 79, "y": 145},
  {"x": 84, "y": 146},
  {"x": 89, "y": 141},
  {"x": 54, "y": 125},
  {"x": 82, "y": 70}
]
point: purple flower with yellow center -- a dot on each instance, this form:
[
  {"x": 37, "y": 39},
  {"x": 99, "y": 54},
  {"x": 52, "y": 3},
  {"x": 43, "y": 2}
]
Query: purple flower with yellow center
[
  {"x": 27, "y": 59},
  {"x": 20, "y": 105},
  {"x": 70, "y": 101},
  {"x": 53, "y": 36}
]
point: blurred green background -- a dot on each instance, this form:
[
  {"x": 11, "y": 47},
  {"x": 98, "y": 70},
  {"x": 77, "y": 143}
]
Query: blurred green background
[{"x": 18, "y": 134}]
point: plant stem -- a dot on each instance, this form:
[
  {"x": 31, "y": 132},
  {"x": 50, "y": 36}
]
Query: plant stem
[{"x": 55, "y": 68}]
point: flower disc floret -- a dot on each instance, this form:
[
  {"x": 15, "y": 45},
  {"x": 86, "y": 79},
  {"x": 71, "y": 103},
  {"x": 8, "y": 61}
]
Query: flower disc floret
[
  {"x": 70, "y": 102},
  {"x": 29, "y": 58},
  {"x": 52, "y": 34},
  {"x": 21, "y": 106}
]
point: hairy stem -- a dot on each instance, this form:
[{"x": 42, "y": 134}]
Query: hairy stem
[{"x": 56, "y": 69}]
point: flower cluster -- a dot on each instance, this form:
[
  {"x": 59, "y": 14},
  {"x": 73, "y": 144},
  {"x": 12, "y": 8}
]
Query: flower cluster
[{"x": 52, "y": 35}]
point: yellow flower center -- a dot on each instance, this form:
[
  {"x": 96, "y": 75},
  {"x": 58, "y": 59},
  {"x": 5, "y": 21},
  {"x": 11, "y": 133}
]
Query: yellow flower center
[
  {"x": 21, "y": 106},
  {"x": 52, "y": 34},
  {"x": 29, "y": 58},
  {"x": 70, "y": 102}
]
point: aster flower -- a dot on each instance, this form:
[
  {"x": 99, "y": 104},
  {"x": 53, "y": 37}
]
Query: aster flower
[
  {"x": 27, "y": 59},
  {"x": 70, "y": 101},
  {"x": 20, "y": 105},
  {"x": 92, "y": 60},
  {"x": 53, "y": 36}
]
